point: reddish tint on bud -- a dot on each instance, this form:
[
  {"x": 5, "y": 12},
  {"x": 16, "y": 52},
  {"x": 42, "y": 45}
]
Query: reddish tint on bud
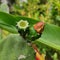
[
  {"x": 38, "y": 56},
  {"x": 39, "y": 27}
]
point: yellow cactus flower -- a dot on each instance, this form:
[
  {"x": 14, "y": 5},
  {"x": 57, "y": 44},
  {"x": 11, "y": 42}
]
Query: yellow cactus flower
[{"x": 22, "y": 24}]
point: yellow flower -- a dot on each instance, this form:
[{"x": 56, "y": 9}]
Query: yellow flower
[{"x": 22, "y": 24}]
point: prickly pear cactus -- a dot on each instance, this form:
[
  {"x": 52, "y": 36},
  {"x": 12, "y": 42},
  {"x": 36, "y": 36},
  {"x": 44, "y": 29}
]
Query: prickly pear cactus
[{"x": 15, "y": 48}]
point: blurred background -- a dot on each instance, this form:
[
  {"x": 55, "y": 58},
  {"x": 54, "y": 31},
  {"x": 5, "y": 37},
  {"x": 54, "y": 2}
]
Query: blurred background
[{"x": 45, "y": 10}]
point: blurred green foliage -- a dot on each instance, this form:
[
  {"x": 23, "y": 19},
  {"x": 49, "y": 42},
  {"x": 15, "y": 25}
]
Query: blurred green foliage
[{"x": 45, "y": 10}]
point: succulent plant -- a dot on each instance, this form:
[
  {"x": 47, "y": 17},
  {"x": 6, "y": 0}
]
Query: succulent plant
[{"x": 30, "y": 33}]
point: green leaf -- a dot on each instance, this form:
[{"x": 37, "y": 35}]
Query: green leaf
[
  {"x": 8, "y": 22},
  {"x": 51, "y": 36},
  {"x": 13, "y": 46},
  {"x": 7, "y": 19},
  {"x": 30, "y": 20},
  {"x": 9, "y": 28},
  {"x": 0, "y": 34}
]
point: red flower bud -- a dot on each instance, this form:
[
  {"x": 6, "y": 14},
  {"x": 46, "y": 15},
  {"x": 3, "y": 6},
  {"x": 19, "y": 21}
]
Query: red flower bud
[{"x": 39, "y": 27}]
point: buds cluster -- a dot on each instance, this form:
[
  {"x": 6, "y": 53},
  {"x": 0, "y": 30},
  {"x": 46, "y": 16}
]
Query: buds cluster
[{"x": 30, "y": 33}]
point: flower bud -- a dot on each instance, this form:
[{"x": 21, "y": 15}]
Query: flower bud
[{"x": 39, "y": 27}]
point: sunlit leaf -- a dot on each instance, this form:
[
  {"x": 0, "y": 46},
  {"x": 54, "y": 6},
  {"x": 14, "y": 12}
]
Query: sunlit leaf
[{"x": 51, "y": 36}]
